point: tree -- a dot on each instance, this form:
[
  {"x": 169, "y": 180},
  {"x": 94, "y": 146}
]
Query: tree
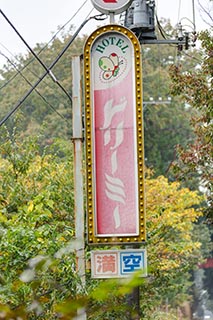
[
  {"x": 36, "y": 211},
  {"x": 166, "y": 125},
  {"x": 36, "y": 224},
  {"x": 166, "y": 119},
  {"x": 37, "y": 263},
  {"x": 196, "y": 160},
  {"x": 195, "y": 87},
  {"x": 52, "y": 109},
  {"x": 172, "y": 250}
]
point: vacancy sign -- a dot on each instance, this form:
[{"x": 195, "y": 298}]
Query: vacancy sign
[
  {"x": 114, "y": 137},
  {"x": 118, "y": 263},
  {"x": 111, "y": 6}
]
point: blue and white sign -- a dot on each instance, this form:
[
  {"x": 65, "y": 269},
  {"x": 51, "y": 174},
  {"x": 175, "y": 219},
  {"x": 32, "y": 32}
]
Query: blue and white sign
[
  {"x": 131, "y": 261},
  {"x": 118, "y": 263}
]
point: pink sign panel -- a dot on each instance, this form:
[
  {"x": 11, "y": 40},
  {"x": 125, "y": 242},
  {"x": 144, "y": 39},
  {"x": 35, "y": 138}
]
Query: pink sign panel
[
  {"x": 114, "y": 137},
  {"x": 116, "y": 179}
]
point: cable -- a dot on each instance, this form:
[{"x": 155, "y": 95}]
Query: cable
[
  {"x": 193, "y": 14},
  {"x": 193, "y": 25},
  {"x": 179, "y": 7},
  {"x": 162, "y": 32},
  {"x": 19, "y": 72},
  {"x": 53, "y": 37},
  {"x": 14, "y": 76},
  {"x": 51, "y": 66},
  {"x": 37, "y": 57},
  {"x": 43, "y": 98},
  {"x": 194, "y": 58}
]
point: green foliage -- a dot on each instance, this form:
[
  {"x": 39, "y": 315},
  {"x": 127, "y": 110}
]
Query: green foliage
[
  {"x": 173, "y": 250},
  {"x": 37, "y": 260},
  {"x": 166, "y": 119},
  {"x": 166, "y": 125},
  {"x": 195, "y": 87},
  {"x": 36, "y": 222},
  {"x": 54, "y": 113},
  {"x": 160, "y": 315},
  {"x": 196, "y": 159}
]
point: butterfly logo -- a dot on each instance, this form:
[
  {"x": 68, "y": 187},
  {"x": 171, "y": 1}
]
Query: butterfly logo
[{"x": 110, "y": 66}]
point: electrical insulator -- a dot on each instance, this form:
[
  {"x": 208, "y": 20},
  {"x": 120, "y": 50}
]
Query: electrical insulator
[{"x": 186, "y": 40}]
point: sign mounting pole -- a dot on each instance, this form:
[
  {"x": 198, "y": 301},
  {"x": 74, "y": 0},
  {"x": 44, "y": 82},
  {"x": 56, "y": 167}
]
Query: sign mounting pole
[
  {"x": 111, "y": 18},
  {"x": 78, "y": 178}
]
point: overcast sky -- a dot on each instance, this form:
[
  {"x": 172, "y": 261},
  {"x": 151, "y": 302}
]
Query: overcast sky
[{"x": 38, "y": 20}]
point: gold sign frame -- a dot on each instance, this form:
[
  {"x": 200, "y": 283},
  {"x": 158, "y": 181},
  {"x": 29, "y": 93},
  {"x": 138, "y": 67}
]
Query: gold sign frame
[{"x": 93, "y": 239}]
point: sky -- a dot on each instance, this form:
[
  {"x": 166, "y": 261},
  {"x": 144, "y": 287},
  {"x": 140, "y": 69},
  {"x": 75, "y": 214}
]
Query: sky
[{"x": 38, "y": 20}]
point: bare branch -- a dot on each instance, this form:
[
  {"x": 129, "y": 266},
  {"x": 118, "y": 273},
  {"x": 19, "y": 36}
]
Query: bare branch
[{"x": 207, "y": 12}]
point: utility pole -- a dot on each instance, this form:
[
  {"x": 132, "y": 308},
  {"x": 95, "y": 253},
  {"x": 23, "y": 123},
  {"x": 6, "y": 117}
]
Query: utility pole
[
  {"x": 140, "y": 18},
  {"x": 78, "y": 177}
]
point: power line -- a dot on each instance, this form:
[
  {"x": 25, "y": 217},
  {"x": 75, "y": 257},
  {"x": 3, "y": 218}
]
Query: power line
[
  {"x": 193, "y": 15},
  {"x": 162, "y": 31},
  {"x": 36, "y": 90},
  {"x": 19, "y": 71},
  {"x": 36, "y": 56},
  {"x": 194, "y": 58},
  {"x": 179, "y": 7},
  {"x": 47, "y": 71},
  {"x": 53, "y": 37}
]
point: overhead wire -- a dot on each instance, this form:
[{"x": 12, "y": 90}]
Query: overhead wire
[
  {"x": 193, "y": 15},
  {"x": 163, "y": 33},
  {"x": 36, "y": 90},
  {"x": 50, "y": 67},
  {"x": 194, "y": 58},
  {"x": 36, "y": 56},
  {"x": 160, "y": 27},
  {"x": 46, "y": 45},
  {"x": 19, "y": 70},
  {"x": 165, "y": 36},
  {"x": 179, "y": 8}
]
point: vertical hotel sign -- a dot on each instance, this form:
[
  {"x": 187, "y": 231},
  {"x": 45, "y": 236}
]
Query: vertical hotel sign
[{"x": 114, "y": 137}]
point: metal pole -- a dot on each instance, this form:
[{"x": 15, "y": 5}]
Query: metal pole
[
  {"x": 133, "y": 298},
  {"x": 78, "y": 177},
  {"x": 111, "y": 18},
  {"x": 133, "y": 302}
]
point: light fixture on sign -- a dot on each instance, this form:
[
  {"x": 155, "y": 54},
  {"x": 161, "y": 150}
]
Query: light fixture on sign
[{"x": 111, "y": 6}]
